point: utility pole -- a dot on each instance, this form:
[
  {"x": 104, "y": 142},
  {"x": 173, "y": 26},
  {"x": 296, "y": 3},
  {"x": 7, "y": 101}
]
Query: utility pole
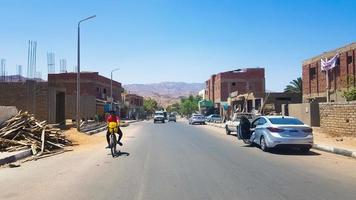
[
  {"x": 78, "y": 72},
  {"x": 112, "y": 99}
]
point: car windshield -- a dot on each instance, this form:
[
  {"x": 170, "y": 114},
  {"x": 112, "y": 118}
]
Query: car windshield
[{"x": 286, "y": 121}]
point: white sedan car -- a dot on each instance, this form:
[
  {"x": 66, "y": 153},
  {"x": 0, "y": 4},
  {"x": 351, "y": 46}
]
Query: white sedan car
[
  {"x": 277, "y": 131},
  {"x": 197, "y": 119}
]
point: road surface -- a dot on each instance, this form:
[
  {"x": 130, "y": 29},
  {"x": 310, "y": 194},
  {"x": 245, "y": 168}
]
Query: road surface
[{"x": 178, "y": 161}]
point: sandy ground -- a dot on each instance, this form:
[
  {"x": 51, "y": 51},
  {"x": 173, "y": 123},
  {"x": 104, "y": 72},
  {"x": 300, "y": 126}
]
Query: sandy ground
[
  {"x": 343, "y": 142},
  {"x": 82, "y": 140}
]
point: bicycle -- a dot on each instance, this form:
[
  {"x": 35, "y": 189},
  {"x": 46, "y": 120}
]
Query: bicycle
[{"x": 113, "y": 128}]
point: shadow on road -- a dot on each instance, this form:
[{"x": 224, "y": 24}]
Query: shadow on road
[
  {"x": 293, "y": 152},
  {"x": 120, "y": 153}
]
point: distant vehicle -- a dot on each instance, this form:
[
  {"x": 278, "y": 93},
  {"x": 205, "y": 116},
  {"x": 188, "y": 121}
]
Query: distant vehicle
[
  {"x": 214, "y": 118},
  {"x": 232, "y": 125},
  {"x": 277, "y": 131},
  {"x": 159, "y": 117},
  {"x": 197, "y": 119},
  {"x": 172, "y": 118}
]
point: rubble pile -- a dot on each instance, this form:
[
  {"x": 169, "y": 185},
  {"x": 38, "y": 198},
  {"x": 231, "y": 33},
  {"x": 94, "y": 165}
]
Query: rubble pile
[{"x": 23, "y": 131}]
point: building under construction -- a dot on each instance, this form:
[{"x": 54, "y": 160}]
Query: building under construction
[{"x": 55, "y": 100}]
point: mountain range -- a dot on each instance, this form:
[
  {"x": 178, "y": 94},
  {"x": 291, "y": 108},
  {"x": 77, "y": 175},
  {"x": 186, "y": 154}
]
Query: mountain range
[{"x": 165, "y": 93}]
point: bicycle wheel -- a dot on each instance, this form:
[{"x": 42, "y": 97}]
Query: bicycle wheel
[{"x": 113, "y": 145}]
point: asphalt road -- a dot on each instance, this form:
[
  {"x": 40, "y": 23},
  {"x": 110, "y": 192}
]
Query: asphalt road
[{"x": 178, "y": 161}]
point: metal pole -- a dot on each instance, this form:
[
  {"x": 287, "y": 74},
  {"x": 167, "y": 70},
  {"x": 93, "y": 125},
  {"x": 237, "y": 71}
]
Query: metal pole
[
  {"x": 78, "y": 73},
  {"x": 111, "y": 91},
  {"x": 112, "y": 71},
  {"x": 78, "y": 80}
]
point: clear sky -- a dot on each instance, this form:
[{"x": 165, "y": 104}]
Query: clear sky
[{"x": 181, "y": 40}]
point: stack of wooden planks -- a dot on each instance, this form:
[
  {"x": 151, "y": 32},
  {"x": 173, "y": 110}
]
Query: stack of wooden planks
[{"x": 23, "y": 131}]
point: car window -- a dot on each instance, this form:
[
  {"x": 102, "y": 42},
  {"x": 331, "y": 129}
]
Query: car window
[
  {"x": 285, "y": 121},
  {"x": 255, "y": 123},
  {"x": 261, "y": 121}
]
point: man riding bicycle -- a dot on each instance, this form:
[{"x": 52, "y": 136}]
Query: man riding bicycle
[{"x": 113, "y": 118}]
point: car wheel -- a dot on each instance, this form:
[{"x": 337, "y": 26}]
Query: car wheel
[
  {"x": 263, "y": 144},
  {"x": 228, "y": 132}
]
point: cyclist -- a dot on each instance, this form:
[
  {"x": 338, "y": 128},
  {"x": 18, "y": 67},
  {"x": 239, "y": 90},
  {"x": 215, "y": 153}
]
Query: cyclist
[{"x": 113, "y": 118}]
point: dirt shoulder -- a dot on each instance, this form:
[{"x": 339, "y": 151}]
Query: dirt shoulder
[
  {"x": 82, "y": 140},
  {"x": 343, "y": 142}
]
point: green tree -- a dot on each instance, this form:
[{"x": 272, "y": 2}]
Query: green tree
[
  {"x": 350, "y": 95},
  {"x": 173, "y": 108},
  {"x": 189, "y": 105},
  {"x": 295, "y": 86},
  {"x": 150, "y": 105}
]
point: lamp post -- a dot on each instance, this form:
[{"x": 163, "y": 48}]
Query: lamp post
[
  {"x": 78, "y": 72},
  {"x": 112, "y": 99}
]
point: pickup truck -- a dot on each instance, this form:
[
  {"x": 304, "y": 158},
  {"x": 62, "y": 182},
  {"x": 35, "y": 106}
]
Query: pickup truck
[{"x": 232, "y": 125}]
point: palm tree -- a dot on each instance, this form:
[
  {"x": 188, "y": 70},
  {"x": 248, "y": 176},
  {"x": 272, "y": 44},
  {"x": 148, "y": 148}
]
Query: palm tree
[{"x": 295, "y": 86}]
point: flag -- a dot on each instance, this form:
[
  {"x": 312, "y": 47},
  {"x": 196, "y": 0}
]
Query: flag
[{"x": 327, "y": 65}]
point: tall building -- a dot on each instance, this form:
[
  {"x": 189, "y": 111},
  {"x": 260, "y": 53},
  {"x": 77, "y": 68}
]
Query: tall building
[
  {"x": 341, "y": 77},
  {"x": 241, "y": 81},
  {"x": 221, "y": 85}
]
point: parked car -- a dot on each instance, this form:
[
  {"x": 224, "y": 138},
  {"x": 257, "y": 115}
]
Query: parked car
[
  {"x": 159, "y": 117},
  {"x": 197, "y": 119},
  {"x": 172, "y": 118},
  {"x": 214, "y": 118},
  {"x": 232, "y": 125},
  {"x": 277, "y": 131}
]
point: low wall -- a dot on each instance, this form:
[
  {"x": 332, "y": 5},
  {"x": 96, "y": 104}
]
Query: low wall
[
  {"x": 307, "y": 112},
  {"x": 338, "y": 119}
]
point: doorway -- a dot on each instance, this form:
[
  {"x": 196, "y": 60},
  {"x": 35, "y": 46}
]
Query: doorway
[{"x": 60, "y": 107}]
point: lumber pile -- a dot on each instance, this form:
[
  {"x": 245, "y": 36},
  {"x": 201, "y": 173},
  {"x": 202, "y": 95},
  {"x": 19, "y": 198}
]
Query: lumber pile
[{"x": 24, "y": 131}]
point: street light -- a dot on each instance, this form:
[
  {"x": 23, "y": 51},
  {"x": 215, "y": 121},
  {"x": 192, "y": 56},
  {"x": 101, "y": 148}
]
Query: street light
[
  {"x": 112, "y": 99},
  {"x": 78, "y": 72}
]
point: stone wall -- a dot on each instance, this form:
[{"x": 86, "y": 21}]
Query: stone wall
[{"x": 338, "y": 119}]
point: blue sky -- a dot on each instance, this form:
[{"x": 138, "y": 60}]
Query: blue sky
[{"x": 181, "y": 40}]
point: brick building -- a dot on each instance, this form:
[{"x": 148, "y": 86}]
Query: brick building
[
  {"x": 340, "y": 78},
  {"x": 134, "y": 106},
  {"x": 55, "y": 100},
  {"x": 30, "y": 95},
  {"x": 219, "y": 86}
]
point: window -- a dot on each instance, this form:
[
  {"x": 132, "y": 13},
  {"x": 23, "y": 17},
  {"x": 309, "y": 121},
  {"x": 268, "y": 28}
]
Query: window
[
  {"x": 312, "y": 73},
  {"x": 261, "y": 121},
  {"x": 284, "y": 99},
  {"x": 97, "y": 89},
  {"x": 233, "y": 84},
  {"x": 285, "y": 121},
  {"x": 349, "y": 59},
  {"x": 104, "y": 90}
]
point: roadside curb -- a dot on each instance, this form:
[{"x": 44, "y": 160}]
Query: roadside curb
[
  {"x": 339, "y": 151},
  {"x": 334, "y": 150},
  {"x": 16, "y": 157},
  {"x": 103, "y": 128}
]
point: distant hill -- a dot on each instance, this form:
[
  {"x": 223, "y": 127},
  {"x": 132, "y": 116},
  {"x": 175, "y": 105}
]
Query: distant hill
[{"x": 165, "y": 93}]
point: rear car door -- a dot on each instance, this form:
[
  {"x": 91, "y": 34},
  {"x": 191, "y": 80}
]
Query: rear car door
[{"x": 259, "y": 127}]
